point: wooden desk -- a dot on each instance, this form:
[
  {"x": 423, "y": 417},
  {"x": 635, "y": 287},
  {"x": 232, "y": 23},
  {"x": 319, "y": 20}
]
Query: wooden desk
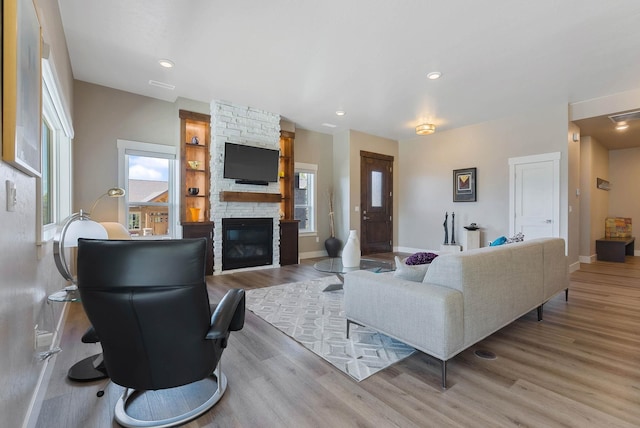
[{"x": 614, "y": 249}]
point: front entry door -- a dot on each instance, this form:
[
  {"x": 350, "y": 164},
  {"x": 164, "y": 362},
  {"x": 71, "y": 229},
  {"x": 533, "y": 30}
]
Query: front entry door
[{"x": 376, "y": 196}]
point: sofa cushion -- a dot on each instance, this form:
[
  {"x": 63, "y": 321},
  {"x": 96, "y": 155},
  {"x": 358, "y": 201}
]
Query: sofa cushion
[{"x": 409, "y": 272}]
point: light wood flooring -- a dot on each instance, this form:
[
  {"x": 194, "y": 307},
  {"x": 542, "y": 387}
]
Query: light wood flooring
[{"x": 579, "y": 367}]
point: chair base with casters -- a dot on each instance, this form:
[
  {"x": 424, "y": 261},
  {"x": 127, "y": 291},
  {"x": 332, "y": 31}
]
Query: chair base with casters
[
  {"x": 124, "y": 419},
  {"x": 87, "y": 370}
]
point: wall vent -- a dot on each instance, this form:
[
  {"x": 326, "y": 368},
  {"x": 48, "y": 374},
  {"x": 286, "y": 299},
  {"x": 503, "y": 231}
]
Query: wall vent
[{"x": 625, "y": 117}]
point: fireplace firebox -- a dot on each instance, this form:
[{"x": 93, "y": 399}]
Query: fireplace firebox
[{"x": 246, "y": 242}]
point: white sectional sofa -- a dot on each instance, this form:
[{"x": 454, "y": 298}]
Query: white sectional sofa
[{"x": 464, "y": 297}]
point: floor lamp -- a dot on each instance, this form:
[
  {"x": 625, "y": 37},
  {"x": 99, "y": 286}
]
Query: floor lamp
[{"x": 80, "y": 225}]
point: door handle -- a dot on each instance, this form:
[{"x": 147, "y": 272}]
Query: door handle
[
  {"x": 365, "y": 218},
  {"x": 548, "y": 221}
]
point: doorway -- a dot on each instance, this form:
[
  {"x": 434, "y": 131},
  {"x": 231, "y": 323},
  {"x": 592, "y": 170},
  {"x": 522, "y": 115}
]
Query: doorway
[
  {"x": 376, "y": 203},
  {"x": 534, "y": 195}
]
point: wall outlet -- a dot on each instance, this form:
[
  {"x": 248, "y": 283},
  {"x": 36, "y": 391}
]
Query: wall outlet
[
  {"x": 11, "y": 196},
  {"x": 42, "y": 338}
]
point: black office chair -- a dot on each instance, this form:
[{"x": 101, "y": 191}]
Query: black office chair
[{"x": 147, "y": 302}]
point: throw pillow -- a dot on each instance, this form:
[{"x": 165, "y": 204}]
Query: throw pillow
[
  {"x": 420, "y": 258},
  {"x": 410, "y": 272}
]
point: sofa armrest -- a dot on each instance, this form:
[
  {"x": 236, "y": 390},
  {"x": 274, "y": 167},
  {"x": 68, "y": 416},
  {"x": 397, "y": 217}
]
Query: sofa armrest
[{"x": 426, "y": 316}]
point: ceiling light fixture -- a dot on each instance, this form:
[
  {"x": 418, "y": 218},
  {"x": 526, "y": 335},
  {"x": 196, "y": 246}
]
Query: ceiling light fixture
[
  {"x": 341, "y": 112},
  {"x": 622, "y": 126},
  {"x": 425, "y": 129},
  {"x": 434, "y": 75},
  {"x": 166, "y": 63}
]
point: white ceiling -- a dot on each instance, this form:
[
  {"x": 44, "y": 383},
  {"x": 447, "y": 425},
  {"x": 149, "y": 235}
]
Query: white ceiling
[{"x": 307, "y": 59}]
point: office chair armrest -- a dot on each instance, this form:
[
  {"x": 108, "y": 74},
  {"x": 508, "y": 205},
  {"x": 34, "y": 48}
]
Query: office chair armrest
[
  {"x": 90, "y": 336},
  {"x": 228, "y": 316}
]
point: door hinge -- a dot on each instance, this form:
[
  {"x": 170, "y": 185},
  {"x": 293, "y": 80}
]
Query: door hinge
[
  {"x": 390, "y": 243},
  {"x": 390, "y": 194},
  {"x": 390, "y": 169},
  {"x": 390, "y": 218}
]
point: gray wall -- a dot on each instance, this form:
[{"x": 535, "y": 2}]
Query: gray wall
[
  {"x": 28, "y": 272},
  {"x": 104, "y": 115},
  {"x": 316, "y": 148}
]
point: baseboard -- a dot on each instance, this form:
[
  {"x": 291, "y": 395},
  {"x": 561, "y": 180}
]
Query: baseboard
[
  {"x": 587, "y": 259},
  {"x": 313, "y": 254},
  {"x": 40, "y": 391},
  {"x": 574, "y": 267},
  {"x": 412, "y": 250}
]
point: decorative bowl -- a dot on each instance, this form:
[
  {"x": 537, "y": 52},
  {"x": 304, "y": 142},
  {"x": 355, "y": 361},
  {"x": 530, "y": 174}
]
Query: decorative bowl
[
  {"x": 193, "y": 190},
  {"x": 194, "y": 164}
]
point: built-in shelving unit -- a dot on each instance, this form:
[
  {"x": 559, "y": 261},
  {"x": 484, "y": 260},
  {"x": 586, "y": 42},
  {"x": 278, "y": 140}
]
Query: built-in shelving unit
[
  {"x": 195, "y": 212},
  {"x": 288, "y": 226},
  {"x": 287, "y": 170}
]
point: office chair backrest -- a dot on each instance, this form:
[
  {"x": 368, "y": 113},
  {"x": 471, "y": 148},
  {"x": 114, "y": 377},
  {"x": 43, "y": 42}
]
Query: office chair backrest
[{"x": 148, "y": 303}]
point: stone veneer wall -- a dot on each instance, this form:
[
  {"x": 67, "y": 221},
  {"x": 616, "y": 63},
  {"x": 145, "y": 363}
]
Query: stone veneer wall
[{"x": 241, "y": 125}]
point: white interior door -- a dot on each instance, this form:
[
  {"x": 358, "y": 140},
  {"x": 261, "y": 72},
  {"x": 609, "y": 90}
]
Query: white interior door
[{"x": 535, "y": 196}]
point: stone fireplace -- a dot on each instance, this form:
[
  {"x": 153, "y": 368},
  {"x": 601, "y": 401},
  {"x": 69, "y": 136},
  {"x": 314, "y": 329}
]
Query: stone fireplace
[{"x": 241, "y": 125}]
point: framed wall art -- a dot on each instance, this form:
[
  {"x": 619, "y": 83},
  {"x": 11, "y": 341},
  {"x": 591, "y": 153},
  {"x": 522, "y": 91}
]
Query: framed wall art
[
  {"x": 21, "y": 86},
  {"x": 464, "y": 185}
]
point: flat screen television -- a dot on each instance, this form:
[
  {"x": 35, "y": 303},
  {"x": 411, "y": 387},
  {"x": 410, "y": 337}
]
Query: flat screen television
[{"x": 250, "y": 165}]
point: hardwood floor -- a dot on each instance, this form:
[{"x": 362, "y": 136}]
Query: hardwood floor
[{"x": 579, "y": 367}]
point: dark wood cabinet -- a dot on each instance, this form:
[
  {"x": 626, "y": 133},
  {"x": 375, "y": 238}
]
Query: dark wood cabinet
[
  {"x": 288, "y": 242},
  {"x": 203, "y": 229}
]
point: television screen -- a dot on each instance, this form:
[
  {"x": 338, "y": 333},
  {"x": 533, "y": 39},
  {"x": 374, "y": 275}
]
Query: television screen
[{"x": 251, "y": 165}]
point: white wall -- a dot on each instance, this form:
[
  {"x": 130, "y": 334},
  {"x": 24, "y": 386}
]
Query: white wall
[{"x": 426, "y": 167}]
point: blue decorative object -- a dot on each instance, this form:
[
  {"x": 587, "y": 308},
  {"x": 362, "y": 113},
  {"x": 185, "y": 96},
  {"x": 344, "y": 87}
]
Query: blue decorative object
[{"x": 499, "y": 241}]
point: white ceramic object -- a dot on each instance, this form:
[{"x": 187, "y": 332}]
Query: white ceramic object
[{"x": 351, "y": 251}]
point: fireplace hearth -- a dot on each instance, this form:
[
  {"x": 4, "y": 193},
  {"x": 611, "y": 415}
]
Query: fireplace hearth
[{"x": 246, "y": 242}]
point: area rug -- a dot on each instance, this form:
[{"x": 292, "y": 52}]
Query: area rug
[{"x": 316, "y": 319}]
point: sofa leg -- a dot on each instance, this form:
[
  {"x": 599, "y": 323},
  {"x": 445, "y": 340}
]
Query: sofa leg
[
  {"x": 443, "y": 364},
  {"x": 540, "y": 313},
  {"x": 566, "y": 294}
]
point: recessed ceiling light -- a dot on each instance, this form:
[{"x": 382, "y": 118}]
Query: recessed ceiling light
[
  {"x": 622, "y": 126},
  {"x": 166, "y": 63},
  {"x": 434, "y": 75},
  {"x": 329, "y": 125},
  {"x": 341, "y": 112}
]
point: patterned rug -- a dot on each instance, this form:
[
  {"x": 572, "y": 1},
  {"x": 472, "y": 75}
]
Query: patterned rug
[{"x": 316, "y": 319}]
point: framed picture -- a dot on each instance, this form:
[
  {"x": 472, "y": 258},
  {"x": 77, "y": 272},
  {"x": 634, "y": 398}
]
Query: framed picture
[
  {"x": 464, "y": 185},
  {"x": 21, "y": 86}
]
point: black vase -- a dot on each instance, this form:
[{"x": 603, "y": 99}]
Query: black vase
[{"x": 332, "y": 246}]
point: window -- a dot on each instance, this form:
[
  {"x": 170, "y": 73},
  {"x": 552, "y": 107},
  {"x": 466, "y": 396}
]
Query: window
[
  {"x": 304, "y": 194},
  {"x": 47, "y": 176},
  {"x": 147, "y": 174},
  {"x": 54, "y": 185}
]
